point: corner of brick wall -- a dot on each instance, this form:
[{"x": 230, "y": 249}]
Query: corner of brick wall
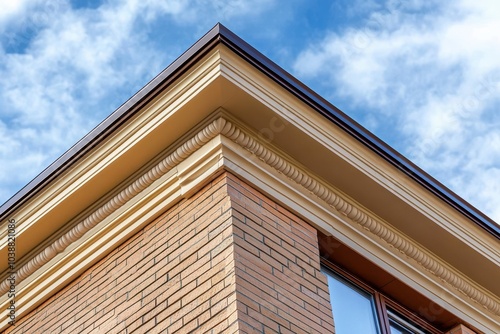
[
  {"x": 226, "y": 260},
  {"x": 279, "y": 285}
]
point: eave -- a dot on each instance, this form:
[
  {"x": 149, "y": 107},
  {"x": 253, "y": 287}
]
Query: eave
[
  {"x": 220, "y": 34},
  {"x": 221, "y": 76}
]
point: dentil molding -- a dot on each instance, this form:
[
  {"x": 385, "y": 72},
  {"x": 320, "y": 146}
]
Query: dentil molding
[{"x": 226, "y": 128}]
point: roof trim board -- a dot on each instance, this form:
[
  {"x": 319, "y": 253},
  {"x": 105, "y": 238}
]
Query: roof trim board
[{"x": 220, "y": 34}]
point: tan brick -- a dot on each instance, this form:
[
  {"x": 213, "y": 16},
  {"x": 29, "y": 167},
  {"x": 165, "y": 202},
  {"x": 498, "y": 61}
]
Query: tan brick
[{"x": 226, "y": 260}]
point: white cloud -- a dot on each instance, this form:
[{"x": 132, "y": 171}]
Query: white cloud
[
  {"x": 49, "y": 91},
  {"x": 73, "y": 54},
  {"x": 63, "y": 69},
  {"x": 10, "y": 9},
  {"x": 436, "y": 69}
]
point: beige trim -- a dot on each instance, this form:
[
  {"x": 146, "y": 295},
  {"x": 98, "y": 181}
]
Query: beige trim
[
  {"x": 116, "y": 202},
  {"x": 334, "y": 156},
  {"x": 354, "y": 212},
  {"x": 295, "y": 114},
  {"x": 137, "y": 200},
  {"x": 111, "y": 161}
]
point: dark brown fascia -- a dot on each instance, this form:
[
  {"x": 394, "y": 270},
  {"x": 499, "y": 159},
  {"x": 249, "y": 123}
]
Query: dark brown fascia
[{"x": 220, "y": 34}]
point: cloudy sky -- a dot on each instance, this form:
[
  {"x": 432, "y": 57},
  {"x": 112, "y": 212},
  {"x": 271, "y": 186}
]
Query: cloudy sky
[{"x": 423, "y": 75}]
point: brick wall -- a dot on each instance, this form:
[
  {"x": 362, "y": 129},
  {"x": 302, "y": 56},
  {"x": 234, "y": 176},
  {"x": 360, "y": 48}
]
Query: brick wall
[
  {"x": 226, "y": 260},
  {"x": 279, "y": 286}
]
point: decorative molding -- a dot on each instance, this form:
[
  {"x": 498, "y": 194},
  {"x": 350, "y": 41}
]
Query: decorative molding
[
  {"x": 359, "y": 217},
  {"x": 116, "y": 202},
  {"x": 224, "y": 127}
]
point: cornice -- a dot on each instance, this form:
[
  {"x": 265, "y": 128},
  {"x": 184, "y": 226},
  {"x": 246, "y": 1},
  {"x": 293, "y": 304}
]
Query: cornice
[
  {"x": 217, "y": 36},
  {"x": 116, "y": 202},
  {"x": 294, "y": 113},
  {"x": 334, "y": 115},
  {"x": 340, "y": 204},
  {"x": 365, "y": 220},
  {"x": 39, "y": 220}
]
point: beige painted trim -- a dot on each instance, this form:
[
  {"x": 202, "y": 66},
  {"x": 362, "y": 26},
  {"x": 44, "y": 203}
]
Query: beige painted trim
[
  {"x": 295, "y": 113},
  {"x": 156, "y": 113},
  {"x": 364, "y": 242},
  {"x": 219, "y": 145}
]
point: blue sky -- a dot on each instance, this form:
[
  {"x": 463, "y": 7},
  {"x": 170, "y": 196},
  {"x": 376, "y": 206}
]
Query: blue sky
[{"x": 424, "y": 76}]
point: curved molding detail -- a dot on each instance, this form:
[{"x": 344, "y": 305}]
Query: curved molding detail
[
  {"x": 335, "y": 201},
  {"x": 359, "y": 217},
  {"x": 164, "y": 166}
]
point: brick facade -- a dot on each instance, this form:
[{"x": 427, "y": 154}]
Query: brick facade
[{"x": 226, "y": 260}]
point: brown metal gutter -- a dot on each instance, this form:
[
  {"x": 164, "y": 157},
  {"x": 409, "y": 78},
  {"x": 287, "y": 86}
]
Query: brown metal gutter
[
  {"x": 112, "y": 122},
  {"x": 220, "y": 34},
  {"x": 338, "y": 117}
]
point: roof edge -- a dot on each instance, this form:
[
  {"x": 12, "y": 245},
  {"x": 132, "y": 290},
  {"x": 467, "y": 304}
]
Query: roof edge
[
  {"x": 113, "y": 121},
  {"x": 334, "y": 114},
  {"x": 220, "y": 34}
]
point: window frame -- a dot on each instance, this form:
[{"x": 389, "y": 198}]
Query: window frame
[
  {"x": 383, "y": 304},
  {"x": 402, "y": 322}
]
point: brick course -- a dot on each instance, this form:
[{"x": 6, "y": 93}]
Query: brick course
[{"x": 226, "y": 260}]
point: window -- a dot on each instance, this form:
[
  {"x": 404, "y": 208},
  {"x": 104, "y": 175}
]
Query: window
[
  {"x": 357, "y": 308},
  {"x": 399, "y": 325},
  {"x": 353, "y": 308}
]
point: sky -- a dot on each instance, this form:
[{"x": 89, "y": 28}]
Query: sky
[{"x": 424, "y": 76}]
